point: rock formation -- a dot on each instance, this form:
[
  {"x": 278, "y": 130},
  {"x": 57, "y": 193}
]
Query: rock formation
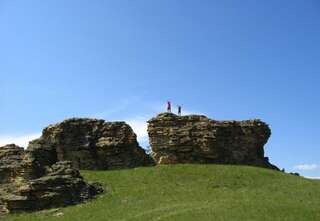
[
  {"x": 45, "y": 175},
  {"x": 198, "y": 139},
  {"x": 27, "y": 184},
  {"x": 90, "y": 144}
]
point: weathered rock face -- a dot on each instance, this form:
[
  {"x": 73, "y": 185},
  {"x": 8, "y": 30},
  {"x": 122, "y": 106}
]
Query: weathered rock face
[
  {"x": 26, "y": 184},
  {"x": 197, "y": 139},
  {"x": 90, "y": 144},
  {"x": 45, "y": 174}
]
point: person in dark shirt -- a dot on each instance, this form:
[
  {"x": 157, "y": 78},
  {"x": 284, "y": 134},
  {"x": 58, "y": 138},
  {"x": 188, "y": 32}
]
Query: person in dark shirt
[
  {"x": 169, "y": 106},
  {"x": 179, "y": 110}
]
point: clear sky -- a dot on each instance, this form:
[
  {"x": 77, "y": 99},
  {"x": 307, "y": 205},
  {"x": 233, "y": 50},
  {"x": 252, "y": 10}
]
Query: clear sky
[{"x": 123, "y": 59}]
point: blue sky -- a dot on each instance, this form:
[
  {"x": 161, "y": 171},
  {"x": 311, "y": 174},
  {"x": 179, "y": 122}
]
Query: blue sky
[{"x": 122, "y": 59}]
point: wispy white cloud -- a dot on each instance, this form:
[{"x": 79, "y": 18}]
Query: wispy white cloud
[
  {"x": 20, "y": 140},
  {"x": 139, "y": 126},
  {"x": 306, "y": 167},
  {"x": 313, "y": 178},
  {"x": 117, "y": 108}
]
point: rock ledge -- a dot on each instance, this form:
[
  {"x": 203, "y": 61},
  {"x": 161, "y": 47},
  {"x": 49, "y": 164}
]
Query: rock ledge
[{"x": 198, "y": 139}]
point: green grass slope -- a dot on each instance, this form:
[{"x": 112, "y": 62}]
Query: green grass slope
[{"x": 193, "y": 192}]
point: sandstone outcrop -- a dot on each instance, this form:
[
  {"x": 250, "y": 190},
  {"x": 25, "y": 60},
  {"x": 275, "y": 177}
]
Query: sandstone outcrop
[
  {"x": 198, "y": 139},
  {"x": 90, "y": 144},
  {"x": 26, "y": 184}
]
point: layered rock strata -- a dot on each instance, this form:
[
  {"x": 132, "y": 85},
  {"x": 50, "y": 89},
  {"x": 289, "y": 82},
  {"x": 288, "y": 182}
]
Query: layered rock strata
[
  {"x": 26, "y": 184},
  {"x": 198, "y": 139},
  {"x": 90, "y": 144}
]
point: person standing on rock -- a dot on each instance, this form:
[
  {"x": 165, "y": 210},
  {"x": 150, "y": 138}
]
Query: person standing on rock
[
  {"x": 179, "y": 110},
  {"x": 169, "y": 106}
]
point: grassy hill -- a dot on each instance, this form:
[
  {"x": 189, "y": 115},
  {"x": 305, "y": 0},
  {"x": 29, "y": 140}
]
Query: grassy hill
[{"x": 193, "y": 192}]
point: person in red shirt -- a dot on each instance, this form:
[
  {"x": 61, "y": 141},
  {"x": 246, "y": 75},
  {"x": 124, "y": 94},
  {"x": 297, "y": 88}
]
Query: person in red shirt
[{"x": 169, "y": 106}]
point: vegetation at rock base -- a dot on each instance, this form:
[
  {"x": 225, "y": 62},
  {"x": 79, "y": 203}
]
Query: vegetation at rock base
[{"x": 193, "y": 192}]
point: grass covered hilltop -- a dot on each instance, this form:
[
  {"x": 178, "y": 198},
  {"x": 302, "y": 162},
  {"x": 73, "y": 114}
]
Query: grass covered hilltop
[{"x": 193, "y": 192}]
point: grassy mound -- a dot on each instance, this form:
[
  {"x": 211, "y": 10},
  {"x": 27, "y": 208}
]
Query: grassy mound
[{"x": 193, "y": 192}]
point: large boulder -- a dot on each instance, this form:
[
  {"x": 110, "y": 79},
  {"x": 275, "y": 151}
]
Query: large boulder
[
  {"x": 198, "y": 139},
  {"x": 26, "y": 184},
  {"x": 90, "y": 144}
]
